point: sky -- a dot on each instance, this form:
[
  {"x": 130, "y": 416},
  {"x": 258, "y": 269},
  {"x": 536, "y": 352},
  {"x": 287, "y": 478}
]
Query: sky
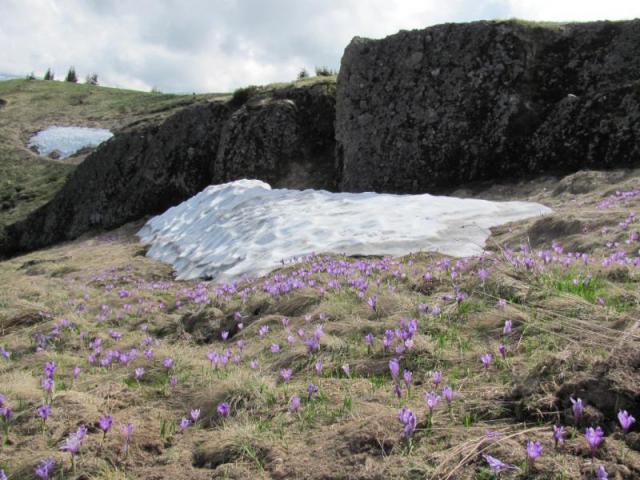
[{"x": 220, "y": 45}]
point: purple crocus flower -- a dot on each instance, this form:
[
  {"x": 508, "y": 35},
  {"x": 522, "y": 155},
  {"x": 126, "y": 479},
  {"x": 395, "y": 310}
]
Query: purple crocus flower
[
  {"x": 594, "y": 438},
  {"x": 432, "y": 399},
  {"x": 43, "y": 471},
  {"x": 394, "y": 367},
  {"x": 49, "y": 369},
  {"x": 195, "y": 415},
  {"x": 224, "y": 335},
  {"x": 407, "y": 376},
  {"x": 368, "y": 339},
  {"x": 311, "y": 389},
  {"x": 508, "y": 325},
  {"x": 534, "y": 450},
  {"x": 373, "y": 302},
  {"x": 319, "y": 367},
  {"x": 47, "y": 385},
  {"x": 559, "y": 434},
  {"x": 436, "y": 378},
  {"x": 486, "y": 359},
  {"x": 397, "y": 390},
  {"x": 44, "y": 411},
  {"x": 76, "y": 372},
  {"x": 286, "y": 373},
  {"x": 263, "y": 330},
  {"x": 602, "y": 473},
  {"x": 254, "y": 364},
  {"x": 275, "y": 348},
  {"x": 312, "y": 344},
  {"x": 496, "y": 465},
  {"x": 105, "y": 422},
  {"x": 223, "y": 410},
  {"x": 577, "y": 407},
  {"x": 74, "y": 441},
  {"x": 408, "y": 418},
  {"x": 127, "y": 433},
  {"x": 168, "y": 363},
  {"x": 625, "y": 420},
  {"x": 6, "y": 412},
  {"x": 173, "y": 381},
  {"x": 138, "y": 372},
  {"x": 483, "y": 275},
  {"x": 503, "y": 351},
  {"x": 3, "y": 476},
  {"x": 184, "y": 424},
  {"x": 448, "y": 393},
  {"x": 294, "y": 404}
]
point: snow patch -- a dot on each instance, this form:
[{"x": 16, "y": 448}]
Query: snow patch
[
  {"x": 246, "y": 228},
  {"x": 68, "y": 140}
]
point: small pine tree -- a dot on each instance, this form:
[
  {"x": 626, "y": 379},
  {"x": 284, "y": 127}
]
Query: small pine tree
[
  {"x": 325, "y": 72},
  {"x": 49, "y": 75},
  {"x": 303, "y": 74},
  {"x": 31, "y": 76},
  {"x": 92, "y": 79},
  {"x": 71, "y": 76}
]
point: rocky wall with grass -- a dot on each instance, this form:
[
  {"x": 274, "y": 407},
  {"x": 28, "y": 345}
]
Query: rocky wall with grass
[
  {"x": 283, "y": 136},
  {"x": 424, "y": 110}
]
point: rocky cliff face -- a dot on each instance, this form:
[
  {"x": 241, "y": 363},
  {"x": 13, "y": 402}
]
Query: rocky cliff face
[
  {"x": 419, "y": 111},
  {"x": 425, "y": 110},
  {"x": 284, "y": 137}
]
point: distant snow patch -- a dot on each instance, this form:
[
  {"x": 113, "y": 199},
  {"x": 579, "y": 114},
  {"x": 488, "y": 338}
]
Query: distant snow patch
[
  {"x": 68, "y": 140},
  {"x": 246, "y": 228}
]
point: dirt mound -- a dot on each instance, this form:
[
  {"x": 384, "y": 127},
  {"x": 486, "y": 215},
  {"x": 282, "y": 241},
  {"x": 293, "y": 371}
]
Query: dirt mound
[{"x": 605, "y": 387}]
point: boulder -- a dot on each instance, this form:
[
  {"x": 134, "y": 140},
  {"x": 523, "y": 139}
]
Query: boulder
[{"x": 426, "y": 110}]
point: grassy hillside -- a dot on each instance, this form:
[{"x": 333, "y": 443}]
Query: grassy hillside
[
  {"x": 150, "y": 350},
  {"x": 27, "y": 180}
]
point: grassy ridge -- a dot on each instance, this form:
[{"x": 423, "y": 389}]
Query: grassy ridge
[{"x": 26, "y": 180}]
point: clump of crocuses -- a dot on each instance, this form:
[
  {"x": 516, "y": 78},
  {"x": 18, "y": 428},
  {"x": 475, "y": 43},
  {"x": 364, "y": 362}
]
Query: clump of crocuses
[{"x": 409, "y": 421}]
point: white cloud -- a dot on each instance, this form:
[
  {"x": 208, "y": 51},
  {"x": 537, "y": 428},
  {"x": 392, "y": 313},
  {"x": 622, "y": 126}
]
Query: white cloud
[{"x": 219, "y": 45}]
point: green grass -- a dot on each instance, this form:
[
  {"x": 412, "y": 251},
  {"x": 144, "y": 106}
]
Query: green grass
[{"x": 577, "y": 283}]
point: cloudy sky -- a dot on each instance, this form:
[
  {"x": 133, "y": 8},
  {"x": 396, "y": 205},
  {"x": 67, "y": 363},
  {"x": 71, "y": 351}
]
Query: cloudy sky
[{"x": 219, "y": 45}]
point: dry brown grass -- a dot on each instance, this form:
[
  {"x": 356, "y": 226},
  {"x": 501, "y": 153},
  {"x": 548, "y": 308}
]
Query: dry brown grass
[{"x": 563, "y": 344}]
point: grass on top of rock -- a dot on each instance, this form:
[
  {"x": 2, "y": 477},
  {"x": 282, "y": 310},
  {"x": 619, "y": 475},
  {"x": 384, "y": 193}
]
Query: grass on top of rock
[{"x": 335, "y": 367}]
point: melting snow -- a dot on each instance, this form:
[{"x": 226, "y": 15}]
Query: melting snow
[
  {"x": 68, "y": 140},
  {"x": 247, "y": 228}
]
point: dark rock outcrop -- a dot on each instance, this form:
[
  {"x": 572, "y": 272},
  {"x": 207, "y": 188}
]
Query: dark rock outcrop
[
  {"x": 283, "y": 136},
  {"x": 429, "y": 109}
]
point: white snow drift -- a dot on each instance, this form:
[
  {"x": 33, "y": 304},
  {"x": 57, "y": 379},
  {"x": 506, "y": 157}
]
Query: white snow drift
[
  {"x": 246, "y": 228},
  {"x": 68, "y": 140}
]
